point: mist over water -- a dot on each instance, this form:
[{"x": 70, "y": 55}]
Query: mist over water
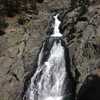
[{"x": 51, "y": 80}]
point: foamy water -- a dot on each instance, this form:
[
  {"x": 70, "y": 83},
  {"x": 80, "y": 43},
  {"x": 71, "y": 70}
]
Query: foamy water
[
  {"x": 48, "y": 82},
  {"x": 56, "y": 32},
  {"x": 53, "y": 98},
  {"x": 50, "y": 85}
]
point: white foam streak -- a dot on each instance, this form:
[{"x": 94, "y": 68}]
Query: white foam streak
[
  {"x": 56, "y": 32},
  {"x": 53, "y": 98}
]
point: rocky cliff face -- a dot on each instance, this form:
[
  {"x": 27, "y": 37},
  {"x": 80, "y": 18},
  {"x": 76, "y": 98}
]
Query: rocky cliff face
[{"x": 20, "y": 44}]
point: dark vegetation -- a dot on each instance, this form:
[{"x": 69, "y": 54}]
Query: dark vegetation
[
  {"x": 12, "y": 7},
  {"x": 90, "y": 89},
  {"x": 9, "y": 8},
  {"x": 3, "y": 25}
]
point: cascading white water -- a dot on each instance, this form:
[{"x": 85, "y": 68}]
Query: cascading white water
[
  {"x": 50, "y": 85},
  {"x": 56, "y": 27},
  {"x": 48, "y": 82}
]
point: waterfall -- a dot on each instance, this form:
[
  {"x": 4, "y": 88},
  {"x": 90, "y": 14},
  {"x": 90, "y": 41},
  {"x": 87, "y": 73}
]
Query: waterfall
[
  {"x": 51, "y": 81},
  {"x": 56, "y": 27}
]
